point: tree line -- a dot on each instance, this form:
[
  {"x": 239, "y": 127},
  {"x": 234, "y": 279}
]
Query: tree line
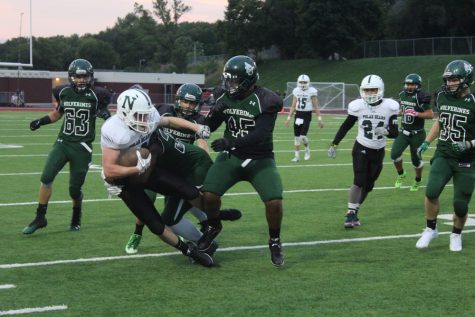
[{"x": 157, "y": 41}]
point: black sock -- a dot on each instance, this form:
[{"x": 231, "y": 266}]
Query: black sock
[
  {"x": 41, "y": 210},
  {"x": 456, "y": 230},
  {"x": 431, "y": 223},
  {"x": 76, "y": 215},
  {"x": 182, "y": 246},
  {"x": 400, "y": 172},
  {"x": 274, "y": 233},
  {"x": 138, "y": 229},
  {"x": 418, "y": 179}
]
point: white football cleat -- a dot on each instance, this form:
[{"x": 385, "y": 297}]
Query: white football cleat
[
  {"x": 427, "y": 236},
  {"x": 295, "y": 159},
  {"x": 455, "y": 242},
  {"x": 307, "y": 154}
]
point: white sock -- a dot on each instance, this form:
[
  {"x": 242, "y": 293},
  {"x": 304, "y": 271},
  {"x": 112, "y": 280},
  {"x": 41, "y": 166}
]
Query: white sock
[
  {"x": 198, "y": 213},
  {"x": 187, "y": 230}
]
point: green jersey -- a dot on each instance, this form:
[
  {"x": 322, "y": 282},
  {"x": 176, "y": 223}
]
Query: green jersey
[
  {"x": 420, "y": 102},
  {"x": 249, "y": 122},
  {"x": 182, "y": 135},
  {"x": 456, "y": 124},
  {"x": 80, "y": 110}
]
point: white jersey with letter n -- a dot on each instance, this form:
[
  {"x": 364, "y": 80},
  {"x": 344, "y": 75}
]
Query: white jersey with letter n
[
  {"x": 304, "y": 98},
  {"x": 370, "y": 117}
]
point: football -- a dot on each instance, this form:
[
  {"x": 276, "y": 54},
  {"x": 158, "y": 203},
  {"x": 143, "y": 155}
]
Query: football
[{"x": 129, "y": 157}]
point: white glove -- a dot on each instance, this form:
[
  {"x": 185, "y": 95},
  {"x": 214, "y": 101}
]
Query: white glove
[
  {"x": 112, "y": 190},
  {"x": 332, "y": 151},
  {"x": 380, "y": 131},
  {"x": 143, "y": 163},
  {"x": 203, "y": 132}
]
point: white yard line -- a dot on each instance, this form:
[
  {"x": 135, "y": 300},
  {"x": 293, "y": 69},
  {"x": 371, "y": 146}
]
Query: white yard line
[
  {"x": 6, "y": 286},
  {"x": 316, "y": 190},
  {"x": 229, "y": 249},
  {"x": 32, "y": 310}
]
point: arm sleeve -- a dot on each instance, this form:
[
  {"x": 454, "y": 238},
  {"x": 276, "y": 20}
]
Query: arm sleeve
[
  {"x": 264, "y": 126},
  {"x": 392, "y": 127},
  {"x": 344, "y": 128},
  {"x": 215, "y": 117}
]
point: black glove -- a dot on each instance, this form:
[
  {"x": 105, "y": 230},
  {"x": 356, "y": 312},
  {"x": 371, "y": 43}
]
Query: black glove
[
  {"x": 35, "y": 124},
  {"x": 222, "y": 145}
]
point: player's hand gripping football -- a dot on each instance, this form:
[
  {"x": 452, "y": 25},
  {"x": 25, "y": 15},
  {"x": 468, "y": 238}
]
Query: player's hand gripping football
[{"x": 143, "y": 163}]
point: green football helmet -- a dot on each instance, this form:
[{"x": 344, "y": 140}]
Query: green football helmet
[
  {"x": 81, "y": 74},
  {"x": 460, "y": 69},
  {"x": 239, "y": 75},
  {"x": 415, "y": 79},
  {"x": 188, "y": 100}
]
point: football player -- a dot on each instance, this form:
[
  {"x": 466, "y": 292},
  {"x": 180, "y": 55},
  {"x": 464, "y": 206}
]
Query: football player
[
  {"x": 415, "y": 108},
  {"x": 377, "y": 120},
  {"x": 80, "y": 103},
  {"x": 187, "y": 106},
  {"x": 304, "y": 101},
  {"x": 133, "y": 126},
  {"x": 454, "y": 157},
  {"x": 246, "y": 149}
]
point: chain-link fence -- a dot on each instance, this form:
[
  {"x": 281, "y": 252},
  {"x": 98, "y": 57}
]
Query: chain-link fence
[{"x": 419, "y": 47}]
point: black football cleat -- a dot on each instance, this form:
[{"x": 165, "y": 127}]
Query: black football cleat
[
  {"x": 36, "y": 224},
  {"x": 210, "y": 233},
  {"x": 276, "y": 256},
  {"x": 230, "y": 214},
  {"x": 198, "y": 256},
  {"x": 75, "y": 222}
]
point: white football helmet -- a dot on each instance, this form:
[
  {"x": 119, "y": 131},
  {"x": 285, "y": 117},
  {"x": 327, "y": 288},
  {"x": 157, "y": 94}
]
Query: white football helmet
[
  {"x": 135, "y": 107},
  {"x": 303, "y": 82},
  {"x": 372, "y": 82}
]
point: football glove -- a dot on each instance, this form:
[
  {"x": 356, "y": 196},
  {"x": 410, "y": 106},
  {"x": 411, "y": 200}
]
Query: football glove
[
  {"x": 461, "y": 146},
  {"x": 332, "y": 151},
  {"x": 422, "y": 148},
  {"x": 143, "y": 163},
  {"x": 35, "y": 124},
  {"x": 411, "y": 112},
  {"x": 222, "y": 145},
  {"x": 203, "y": 132},
  {"x": 380, "y": 131}
]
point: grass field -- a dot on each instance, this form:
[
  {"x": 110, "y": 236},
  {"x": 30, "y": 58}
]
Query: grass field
[{"x": 373, "y": 270}]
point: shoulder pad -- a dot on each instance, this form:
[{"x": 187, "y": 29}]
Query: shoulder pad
[
  {"x": 270, "y": 101},
  {"x": 355, "y": 106}
]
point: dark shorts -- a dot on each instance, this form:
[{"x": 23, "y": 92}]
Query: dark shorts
[
  {"x": 228, "y": 170},
  {"x": 367, "y": 165},
  {"x": 302, "y": 128}
]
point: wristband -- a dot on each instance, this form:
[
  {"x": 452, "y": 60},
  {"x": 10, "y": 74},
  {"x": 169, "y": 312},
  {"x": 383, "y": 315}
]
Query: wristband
[
  {"x": 45, "y": 120},
  {"x": 319, "y": 118}
]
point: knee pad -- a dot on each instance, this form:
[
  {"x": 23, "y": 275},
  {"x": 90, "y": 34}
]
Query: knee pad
[
  {"x": 304, "y": 139},
  {"x": 421, "y": 164},
  {"x": 460, "y": 207},
  {"x": 297, "y": 140},
  {"x": 75, "y": 192},
  {"x": 398, "y": 159}
]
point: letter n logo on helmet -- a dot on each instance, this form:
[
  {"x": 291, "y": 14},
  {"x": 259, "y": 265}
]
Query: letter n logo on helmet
[{"x": 129, "y": 101}]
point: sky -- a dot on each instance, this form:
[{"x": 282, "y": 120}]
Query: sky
[{"x": 67, "y": 17}]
